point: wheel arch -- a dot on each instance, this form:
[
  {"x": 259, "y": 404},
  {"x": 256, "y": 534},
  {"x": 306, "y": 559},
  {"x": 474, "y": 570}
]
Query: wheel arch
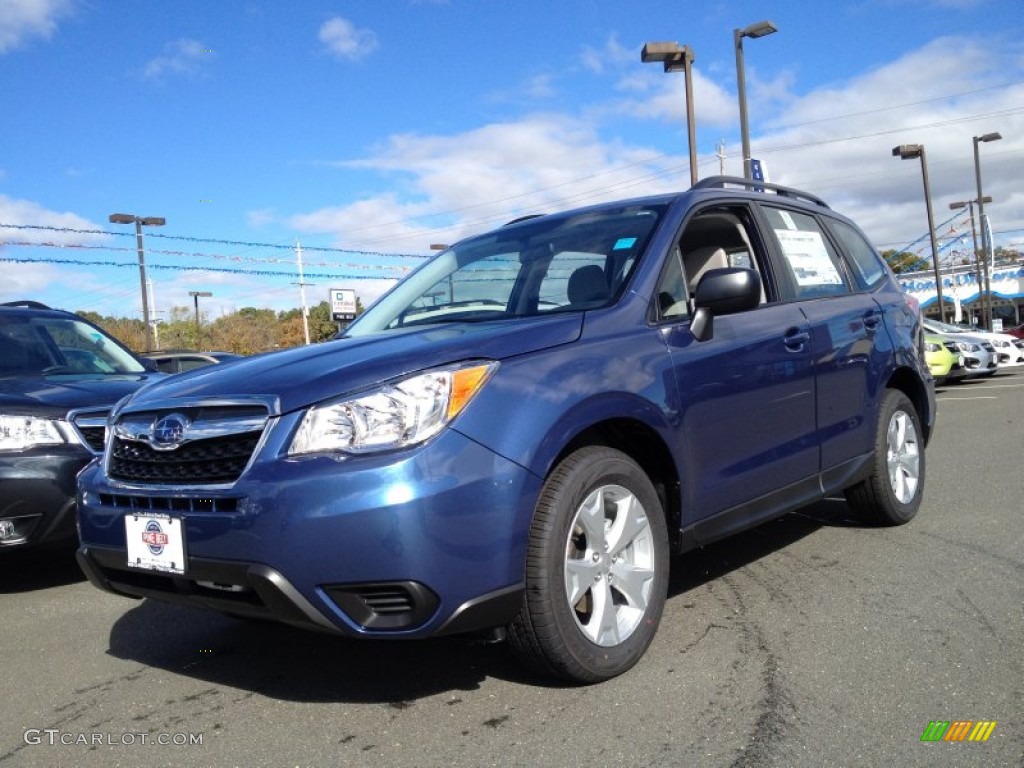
[
  {"x": 916, "y": 390},
  {"x": 646, "y": 447}
]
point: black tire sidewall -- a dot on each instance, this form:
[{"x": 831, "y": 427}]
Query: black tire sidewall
[
  {"x": 577, "y": 477},
  {"x": 896, "y": 511}
]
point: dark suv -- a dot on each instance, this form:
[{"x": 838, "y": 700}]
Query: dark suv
[
  {"x": 59, "y": 377},
  {"x": 517, "y": 436}
]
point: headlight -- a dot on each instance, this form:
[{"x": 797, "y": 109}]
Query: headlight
[
  {"x": 395, "y": 415},
  {"x": 20, "y": 432},
  {"x": 931, "y": 346},
  {"x": 966, "y": 346}
]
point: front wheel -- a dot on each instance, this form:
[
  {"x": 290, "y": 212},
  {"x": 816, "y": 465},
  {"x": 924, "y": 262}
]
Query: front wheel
[
  {"x": 596, "y": 569},
  {"x": 891, "y": 494}
]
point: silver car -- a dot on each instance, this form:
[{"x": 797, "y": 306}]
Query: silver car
[{"x": 980, "y": 356}]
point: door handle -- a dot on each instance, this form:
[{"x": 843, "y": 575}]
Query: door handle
[{"x": 795, "y": 339}]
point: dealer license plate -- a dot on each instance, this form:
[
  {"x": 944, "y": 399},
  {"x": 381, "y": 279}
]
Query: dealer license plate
[{"x": 155, "y": 542}]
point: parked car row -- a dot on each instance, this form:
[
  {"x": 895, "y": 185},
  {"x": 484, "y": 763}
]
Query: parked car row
[{"x": 977, "y": 353}]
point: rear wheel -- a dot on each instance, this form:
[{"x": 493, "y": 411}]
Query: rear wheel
[
  {"x": 596, "y": 570},
  {"x": 892, "y": 492}
]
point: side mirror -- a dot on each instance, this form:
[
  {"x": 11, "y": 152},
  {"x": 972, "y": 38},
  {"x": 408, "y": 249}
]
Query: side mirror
[{"x": 723, "y": 292}]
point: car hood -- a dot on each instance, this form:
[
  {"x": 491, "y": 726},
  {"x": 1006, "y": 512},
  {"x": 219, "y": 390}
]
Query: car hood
[
  {"x": 56, "y": 395},
  {"x": 296, "y": 378}
]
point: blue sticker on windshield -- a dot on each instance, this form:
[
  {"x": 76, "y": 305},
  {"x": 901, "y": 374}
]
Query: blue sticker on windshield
[{"x": 625, "y": 242}]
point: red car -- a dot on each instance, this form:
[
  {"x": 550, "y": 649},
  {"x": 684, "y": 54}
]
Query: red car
[{"x": 1018, "y": 331}]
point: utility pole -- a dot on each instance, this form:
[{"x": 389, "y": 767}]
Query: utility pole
[
  {"x": 302, "y": 292},
  {"x": 721, "y": 157}
]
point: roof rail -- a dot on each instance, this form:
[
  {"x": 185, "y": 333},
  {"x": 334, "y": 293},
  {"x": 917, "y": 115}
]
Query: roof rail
[
  {"x": 527, "y": 217},
  {"x": 26, "y": 303},
  {"x": 722, "y": 182}
]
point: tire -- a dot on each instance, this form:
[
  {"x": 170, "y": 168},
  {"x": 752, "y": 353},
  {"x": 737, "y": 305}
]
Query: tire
[
  {"x": 891, "y": 494},
  {"x": 596, "y": 569}
]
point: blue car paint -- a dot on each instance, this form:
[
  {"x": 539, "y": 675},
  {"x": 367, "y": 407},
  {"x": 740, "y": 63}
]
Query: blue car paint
[{"x": 762, "y": 404}]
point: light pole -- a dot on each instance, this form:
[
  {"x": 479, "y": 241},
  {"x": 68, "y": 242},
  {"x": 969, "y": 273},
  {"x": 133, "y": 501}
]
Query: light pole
[
  {"x": 986, "y": 246},
  {"x": 760, "y": 29},
  {"x": 678, "y": 59},
  {"x": 195, "y": 298},
  {"x": 909, "y": 152},
  {"x": 138, "y": 221},
  {"x": 969, "y": 205}
]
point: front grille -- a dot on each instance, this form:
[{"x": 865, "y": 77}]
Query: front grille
[
  {"x": 91, "y": 426},
  {"x": 213, "y": 460},
  {"x": 168, "y": 503},
  {"x": 94, "y": 436}
]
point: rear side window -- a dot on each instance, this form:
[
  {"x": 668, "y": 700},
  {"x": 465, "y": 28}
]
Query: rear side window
[
  {"x": 867, "y": 265},
  {"x": 813, "y": 266}
]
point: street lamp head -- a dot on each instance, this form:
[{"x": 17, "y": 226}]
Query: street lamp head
[
  {"x": 760, "y": 29},
  {"x": 965, "y": 203},
  {"x": 659, "y": 51},
  {"x": 674, "y": 56},
  {"x": 200, "y": 293},
  {"x": 127, "y": 218},
  {"x": 994, "y": 136},
  {"x": 908, "y": 151}
]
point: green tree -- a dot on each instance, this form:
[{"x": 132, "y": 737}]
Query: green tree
[{"x": 904, "y": 261}]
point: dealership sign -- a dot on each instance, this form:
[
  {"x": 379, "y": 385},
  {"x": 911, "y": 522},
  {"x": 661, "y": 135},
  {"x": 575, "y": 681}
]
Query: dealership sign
[{"x": 343, "y": 304}]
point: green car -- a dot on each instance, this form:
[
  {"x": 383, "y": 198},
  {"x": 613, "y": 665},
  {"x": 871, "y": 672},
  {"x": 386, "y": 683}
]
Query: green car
[{"x": 945, "y": 364}]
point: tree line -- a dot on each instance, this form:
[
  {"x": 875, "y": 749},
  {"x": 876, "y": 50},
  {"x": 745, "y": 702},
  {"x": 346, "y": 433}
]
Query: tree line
[
  {"x": 904, "y": 261},
  {"x": 245, "y": 332}
]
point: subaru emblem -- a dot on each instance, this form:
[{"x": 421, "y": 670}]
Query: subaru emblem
[{"x": 169, "y": 431}]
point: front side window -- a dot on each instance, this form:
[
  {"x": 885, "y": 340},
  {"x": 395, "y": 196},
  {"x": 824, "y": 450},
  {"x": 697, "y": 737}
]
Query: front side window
[
  {"x": 560, "y": 263},
  {"x": 714, "y": 238},
  {"x": 812, "y": 265}
]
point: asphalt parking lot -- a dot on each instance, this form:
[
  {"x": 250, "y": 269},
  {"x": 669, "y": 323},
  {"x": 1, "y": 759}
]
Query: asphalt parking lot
[{"x": 810, "y": 641}]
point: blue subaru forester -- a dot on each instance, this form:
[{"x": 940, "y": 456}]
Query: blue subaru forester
[{"x": 516, "y": 437}]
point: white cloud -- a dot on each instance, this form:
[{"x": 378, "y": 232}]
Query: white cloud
[
  {"x": 26, "y": 213},
  {"x": 23, "y": 20},
  {"x": 835, "y": 142},
  {"x": 483, "y": 178},
  {"x": 180, "y": 57},
  {"x": 346, "y": 41}
]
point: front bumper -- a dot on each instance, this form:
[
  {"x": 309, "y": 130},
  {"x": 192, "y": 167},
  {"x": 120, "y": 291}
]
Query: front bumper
[
  {"x": 424, "y": 542},
  {"x": 37, "y": 496}
]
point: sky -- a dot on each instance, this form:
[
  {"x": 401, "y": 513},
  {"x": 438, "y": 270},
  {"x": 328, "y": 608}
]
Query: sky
[{"x": 366, "y": 131}]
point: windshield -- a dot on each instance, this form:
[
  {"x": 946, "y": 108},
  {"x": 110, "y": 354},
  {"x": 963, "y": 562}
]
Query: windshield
[
  {"x": 49, "y": 345},
  {"x": 564, "y": 263}
]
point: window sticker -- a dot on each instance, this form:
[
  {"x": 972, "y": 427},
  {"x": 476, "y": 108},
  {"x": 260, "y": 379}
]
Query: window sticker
[
  {"x": 787, "y": 220},
  {"x": 624, "y": 242},
  {"x": 808, "y": 257}
]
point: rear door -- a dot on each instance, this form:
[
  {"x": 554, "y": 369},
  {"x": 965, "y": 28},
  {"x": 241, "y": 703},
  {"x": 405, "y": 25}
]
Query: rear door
[{"x": 850, "y": 345}]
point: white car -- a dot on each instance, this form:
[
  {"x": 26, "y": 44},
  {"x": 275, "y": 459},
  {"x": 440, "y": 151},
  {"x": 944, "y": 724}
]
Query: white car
[
  {"x": 980, "y": 356},
  {"x": 1005, "y": 346}
]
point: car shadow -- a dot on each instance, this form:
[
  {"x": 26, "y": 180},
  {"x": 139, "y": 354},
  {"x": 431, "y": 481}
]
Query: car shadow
[
  {"x": 42, "y": 568},
  {"x": 293, "y": 664},
  {"x": 698, "y": 567}
]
